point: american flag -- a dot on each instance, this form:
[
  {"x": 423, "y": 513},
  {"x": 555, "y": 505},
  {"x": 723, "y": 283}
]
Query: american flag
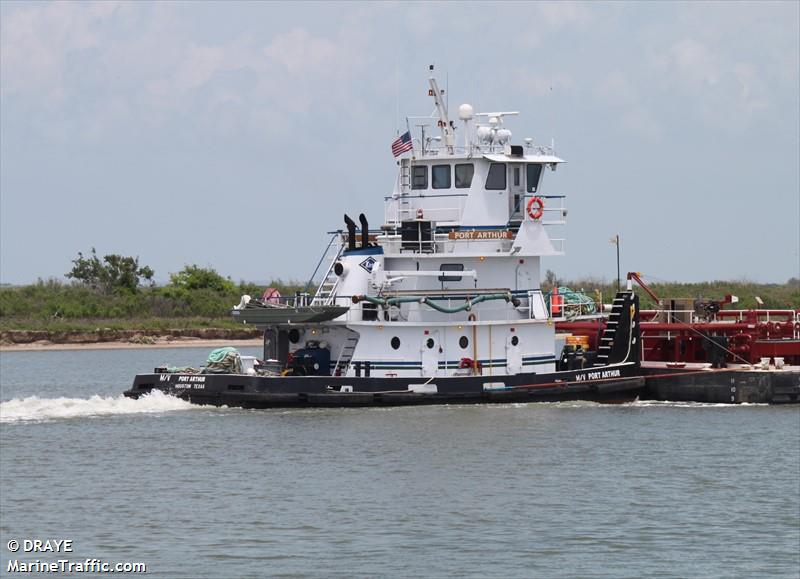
[{"x": 402, "y": 144}]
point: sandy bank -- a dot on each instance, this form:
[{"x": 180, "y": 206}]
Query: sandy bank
[{"x": 166, "y": 342}]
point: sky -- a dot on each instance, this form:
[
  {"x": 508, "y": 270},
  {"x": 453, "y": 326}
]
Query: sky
[{"x": 235, "y": 135}]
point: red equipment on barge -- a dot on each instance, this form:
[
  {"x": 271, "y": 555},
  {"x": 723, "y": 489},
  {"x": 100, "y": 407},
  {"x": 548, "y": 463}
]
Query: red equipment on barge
[{"x": 701, "y": 331}]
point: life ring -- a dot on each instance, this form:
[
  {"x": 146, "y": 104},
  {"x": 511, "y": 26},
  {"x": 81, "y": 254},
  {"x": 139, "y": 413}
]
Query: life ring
[{"x": 536, "y": 213}]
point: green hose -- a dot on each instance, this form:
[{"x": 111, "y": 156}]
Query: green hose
[{"x": 466, "y": 306}]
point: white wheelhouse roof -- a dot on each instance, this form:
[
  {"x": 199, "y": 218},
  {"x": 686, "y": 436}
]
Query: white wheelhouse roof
[{"x": 501, "y": 158}]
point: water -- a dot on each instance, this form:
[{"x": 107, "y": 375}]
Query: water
[{"x": 527, "y": 490}]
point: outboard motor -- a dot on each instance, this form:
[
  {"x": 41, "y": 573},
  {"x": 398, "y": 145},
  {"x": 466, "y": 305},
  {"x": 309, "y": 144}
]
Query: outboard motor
[{"x": 351, "y": 232}]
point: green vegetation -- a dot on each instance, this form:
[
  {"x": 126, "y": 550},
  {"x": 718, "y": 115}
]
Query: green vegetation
[
  {"x": 114, "y": 273},
  {"x": 773, "y": 295},
  {"x": 117, "y": 293},
  {"x": 111, "y": 294},
  {"x": 192, "y": 278}
]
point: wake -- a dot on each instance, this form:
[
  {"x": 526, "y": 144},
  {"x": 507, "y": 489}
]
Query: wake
[
  {"x": 675, "y": 404},
  {"x": 35, "y": 409}
]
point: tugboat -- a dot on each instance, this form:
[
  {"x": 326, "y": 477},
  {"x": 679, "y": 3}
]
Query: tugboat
[{"x": 441, "y": 304}]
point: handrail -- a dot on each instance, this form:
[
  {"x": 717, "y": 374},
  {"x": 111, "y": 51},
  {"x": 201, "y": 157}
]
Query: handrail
[
  {"x": 421, "y": 196},
  {"x": 321, "y": 259}
]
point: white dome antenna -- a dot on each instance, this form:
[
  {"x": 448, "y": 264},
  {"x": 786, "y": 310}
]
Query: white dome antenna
[
  {"x": 484, "y": 134},
  {"x": 503, "y": 136},
  {"x": 465, "y": 113}
]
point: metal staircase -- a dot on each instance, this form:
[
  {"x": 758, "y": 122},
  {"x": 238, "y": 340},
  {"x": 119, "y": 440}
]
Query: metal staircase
[
  {"x": 326, "y": 288},
  {"x": 614, "y": 346},
  {"x": 345, "y": 356}
]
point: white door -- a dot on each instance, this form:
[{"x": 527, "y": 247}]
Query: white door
[
  {"x": 524, "y": 280},
  {"x": 430, "y": 354},
  {"x": 516, "y": 190},
  {"x": 513, "y": 354}
]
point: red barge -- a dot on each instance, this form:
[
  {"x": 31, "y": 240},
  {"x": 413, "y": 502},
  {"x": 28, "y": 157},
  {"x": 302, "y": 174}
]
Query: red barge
[{"x": 694, "y": 349}]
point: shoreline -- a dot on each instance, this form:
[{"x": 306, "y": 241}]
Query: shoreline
[{"x": 173, "y": 342}]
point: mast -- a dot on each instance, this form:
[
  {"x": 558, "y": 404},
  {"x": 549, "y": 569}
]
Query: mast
[{"x": 444, "y": 121}]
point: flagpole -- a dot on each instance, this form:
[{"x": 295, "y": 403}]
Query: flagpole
[
  {"x": 397, "y": 94},
  {"x": 619, "y": 287},
  {"x": 615, "y": 241},
  {"x": 408, "y": 128}
]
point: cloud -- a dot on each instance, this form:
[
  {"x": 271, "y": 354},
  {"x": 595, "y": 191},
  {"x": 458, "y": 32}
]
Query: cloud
[
  {"x": 639, "y": 120},
  {"x": 36, "y": 42},
  {"x": 85, "y": 68},
  {"x": 620, "y": 94},
  {"x": 616, "y": 88},
  {"x": 718, "y": 88},
  {"x": 540, "y": 85},
  {"x": 728, "y": 65},
  {"x": 562, "y": 14}
]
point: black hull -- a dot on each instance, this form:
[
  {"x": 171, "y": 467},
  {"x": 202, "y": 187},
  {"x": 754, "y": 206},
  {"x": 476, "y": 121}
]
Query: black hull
[
  {"x": 723, "y": 386},
  {"x": 620, "y": 383}
]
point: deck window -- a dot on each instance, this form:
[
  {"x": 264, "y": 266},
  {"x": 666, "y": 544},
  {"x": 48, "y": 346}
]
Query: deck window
[
  {"x": 496, "y": 179},
  {"x": 534, "y": 173},
  {"x": 451, "y": 267},
  {"x": 464, "y": 175},
  {"x": 419, "y": 177},
  {"x": 440, "y": 176}
]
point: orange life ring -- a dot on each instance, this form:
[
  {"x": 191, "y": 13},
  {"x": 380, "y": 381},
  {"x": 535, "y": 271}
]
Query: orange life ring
[{"x": 536, "y": 213}]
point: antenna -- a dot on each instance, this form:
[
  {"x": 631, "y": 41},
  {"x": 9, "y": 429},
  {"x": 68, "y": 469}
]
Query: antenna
[
  {"x": 422, "y": 137},
  {"x": 499, "y": 115},
  {"x": 397, "y": 92},
  {"x": 441, "y": 107}
]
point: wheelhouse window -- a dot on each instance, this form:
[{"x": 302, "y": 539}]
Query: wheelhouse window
[
  {"x": 496, "y": 179},
  {"x": 534, "y": 174},
  {"x": 419, "y": 177},
  {"x": 464, "y": 175},
  {"x": 440, "y": 176}
]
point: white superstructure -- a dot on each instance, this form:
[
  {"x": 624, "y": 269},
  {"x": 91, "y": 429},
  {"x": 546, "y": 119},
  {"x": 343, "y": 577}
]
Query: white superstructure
[{"x": 450, "y": 282}]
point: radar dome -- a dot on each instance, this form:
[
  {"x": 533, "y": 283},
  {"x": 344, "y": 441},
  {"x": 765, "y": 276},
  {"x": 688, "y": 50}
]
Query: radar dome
[
  {"x": 503, "y": 136},
  {"x": 465, "y": 112},
  {"x": 484, "y": 134}
]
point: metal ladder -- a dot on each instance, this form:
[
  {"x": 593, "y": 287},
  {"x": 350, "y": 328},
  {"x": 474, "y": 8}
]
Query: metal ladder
[
  {"x": 345, "y": 356},
  {"x": 404, "y": 205},
  {"x": 325, "y": 290},
  {"x": 607, "y": 340}
]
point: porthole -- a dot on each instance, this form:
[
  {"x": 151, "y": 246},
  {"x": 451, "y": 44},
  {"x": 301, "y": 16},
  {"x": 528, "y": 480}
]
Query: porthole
[
  {"x": 514, "y": 341},
  {"x": 395, "y": 342},
  {"x": 430, "y": 343},
  {"x": 294, "y": 335},
  {"x": 463, "y": 341}
]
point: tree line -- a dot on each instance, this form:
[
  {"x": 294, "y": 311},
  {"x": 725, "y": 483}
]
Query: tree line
[{"x": 118, "y": 288}]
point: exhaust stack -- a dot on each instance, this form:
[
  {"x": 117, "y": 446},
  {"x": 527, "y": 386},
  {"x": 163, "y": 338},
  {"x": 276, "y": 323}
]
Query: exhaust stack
[
  {"x": 364, "y": 230},
  {"x": 351, "y": 232}
]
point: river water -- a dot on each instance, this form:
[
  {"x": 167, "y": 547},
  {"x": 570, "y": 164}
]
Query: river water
[{"x": 523, "y": 490}]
